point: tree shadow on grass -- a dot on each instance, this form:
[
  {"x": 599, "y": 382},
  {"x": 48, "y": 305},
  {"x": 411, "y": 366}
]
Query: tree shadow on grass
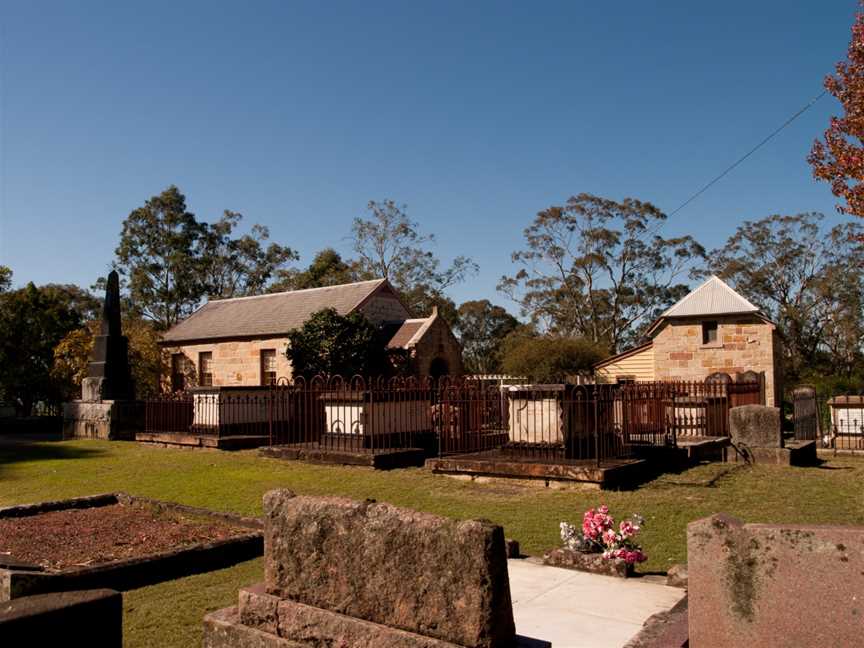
[{"x": 31, "y": 447}]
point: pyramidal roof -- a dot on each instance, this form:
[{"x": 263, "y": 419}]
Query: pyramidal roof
[{"x": 714, "y": 297}]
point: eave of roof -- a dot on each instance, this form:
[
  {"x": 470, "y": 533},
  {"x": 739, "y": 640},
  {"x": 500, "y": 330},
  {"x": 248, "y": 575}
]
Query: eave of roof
[
  {"x": 620, "y": 356},
  {"x": 270, "y": 315}
]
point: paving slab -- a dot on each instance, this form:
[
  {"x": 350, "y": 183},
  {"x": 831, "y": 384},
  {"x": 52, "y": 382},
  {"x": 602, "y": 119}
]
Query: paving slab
[{"x": 571, "y": 609}]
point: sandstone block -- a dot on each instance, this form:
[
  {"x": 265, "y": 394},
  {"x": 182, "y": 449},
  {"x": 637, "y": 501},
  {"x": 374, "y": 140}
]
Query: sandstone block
[
  {"x": 755, "y": 426},
  {"x": 774, "y": 586},
  {"x": 312, "y": 626},
  {"x": 676, "y": 576},
  {"x": 593, "y": 563},
  {"x": 413, "y": 571}
]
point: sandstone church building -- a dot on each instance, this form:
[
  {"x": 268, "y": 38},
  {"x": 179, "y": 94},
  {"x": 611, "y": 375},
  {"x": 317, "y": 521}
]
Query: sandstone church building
[
  {"x": 242, "y": 341},
  {"x": 711, "y": 330}
]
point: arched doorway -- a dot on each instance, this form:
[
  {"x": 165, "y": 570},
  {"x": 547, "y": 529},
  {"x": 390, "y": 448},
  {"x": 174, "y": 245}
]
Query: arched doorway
[{"x": 439, "y": 368}]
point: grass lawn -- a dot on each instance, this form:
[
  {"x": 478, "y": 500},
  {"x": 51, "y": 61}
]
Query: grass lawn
[{"x": 169, "y": 614}]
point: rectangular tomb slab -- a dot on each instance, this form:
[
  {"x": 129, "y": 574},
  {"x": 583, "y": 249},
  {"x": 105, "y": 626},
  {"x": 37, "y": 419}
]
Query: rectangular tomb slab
[
  {"x": 116, "y": 540},
  {"x": 774, "y": 585},
  {"x": 442, "y": 578}
]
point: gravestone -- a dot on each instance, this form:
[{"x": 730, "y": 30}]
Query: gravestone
[
  {"x": 805, "y": 417},
  {"x": 774, "y": 585},
  {"x": 718, "y": 378},
  {"x": 347, "y": 573},
  {"x": 109, "y": 376},
  {"x": 107, "y": 408},
  {"x": 755, "y": 426}
]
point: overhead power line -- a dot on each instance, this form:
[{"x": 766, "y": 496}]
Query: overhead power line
[{"x": 750, "y": 152}]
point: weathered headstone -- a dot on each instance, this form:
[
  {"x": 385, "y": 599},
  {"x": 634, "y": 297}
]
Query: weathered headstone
[
  {"x": 805, "y": 415},
  {"x": 107, "y": 409},
  {"x": 774, "y": 586},
  {"x": 344, "y": 572},
  {"x": 755, "y": 426}
]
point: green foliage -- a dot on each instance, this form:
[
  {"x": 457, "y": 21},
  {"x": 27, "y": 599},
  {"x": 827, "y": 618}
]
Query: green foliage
[
  {"x": 233, "y": 267},
  {"x": 156, "y": 254},
  {"x": 481, "y": 327},
  {"x": 32, "y": 322},
  {"x": 599, "y": 269},
  {"x": 331, "y": 344},
  {"x": 805, "y": 279},
  {"x": 389, "y": 245},
  {"x": 547, "y": 359},
  {"x": 326, "y": 269},
  {"x": 5, "y": 278},
  {"x": 72, "y": 356},
  {"x": 171, "y": 261}
]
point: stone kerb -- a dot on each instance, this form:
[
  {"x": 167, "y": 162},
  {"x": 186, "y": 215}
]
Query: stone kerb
[
  {"x": 56, "y": 618},
  {"x": 774, "y": 585}
]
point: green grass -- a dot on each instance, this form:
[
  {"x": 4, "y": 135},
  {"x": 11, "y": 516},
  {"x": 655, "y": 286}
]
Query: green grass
[{"x": 169, "y": 614}]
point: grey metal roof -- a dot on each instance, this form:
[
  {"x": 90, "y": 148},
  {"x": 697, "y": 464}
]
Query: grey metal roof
[
  {"x": 265, "y": 315},
  {"x": 714, "y": 297}
]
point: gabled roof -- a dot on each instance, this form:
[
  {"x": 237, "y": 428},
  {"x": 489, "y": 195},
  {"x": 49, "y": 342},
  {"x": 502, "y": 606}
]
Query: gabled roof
[
  {"x": 403, "y": 334},
  {"x": 273, "y": 314},
  {"x": 408, "y": 333},
  {"x": 714, "y": 297}
]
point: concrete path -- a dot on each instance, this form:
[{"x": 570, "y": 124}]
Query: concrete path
[{"x": 571, "y": 609}]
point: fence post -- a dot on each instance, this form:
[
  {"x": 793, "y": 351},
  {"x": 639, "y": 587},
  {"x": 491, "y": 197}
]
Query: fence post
[{"x": 596, "y": 426}]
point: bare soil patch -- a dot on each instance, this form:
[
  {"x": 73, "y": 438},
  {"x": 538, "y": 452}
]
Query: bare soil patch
[{"x": 84, "y": 537}]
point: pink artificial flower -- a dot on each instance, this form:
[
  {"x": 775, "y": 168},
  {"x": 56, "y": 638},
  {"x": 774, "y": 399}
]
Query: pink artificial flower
[{"x": 628, "y": 529}]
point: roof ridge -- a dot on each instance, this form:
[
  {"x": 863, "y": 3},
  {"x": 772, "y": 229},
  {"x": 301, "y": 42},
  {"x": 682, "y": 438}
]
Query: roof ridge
[
  {"x": 748, "y": 306},
  {"x": 294, "y": 292}
]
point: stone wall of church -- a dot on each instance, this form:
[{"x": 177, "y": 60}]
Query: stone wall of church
[
  {"x": 438, "y": 343},
  {"x": 235, "y": 362}
]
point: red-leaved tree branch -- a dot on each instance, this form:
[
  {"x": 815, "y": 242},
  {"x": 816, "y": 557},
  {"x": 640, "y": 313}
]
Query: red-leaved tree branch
[{"x": 839, "y": 157}]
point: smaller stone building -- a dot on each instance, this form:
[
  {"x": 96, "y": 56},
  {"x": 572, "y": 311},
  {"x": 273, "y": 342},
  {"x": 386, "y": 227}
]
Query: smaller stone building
[
  {"x": 711, "y": 330},
  {"x": 242, "y": 341}
]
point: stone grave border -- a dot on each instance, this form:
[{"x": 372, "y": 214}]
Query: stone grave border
[{"x": 19, "y": 579}]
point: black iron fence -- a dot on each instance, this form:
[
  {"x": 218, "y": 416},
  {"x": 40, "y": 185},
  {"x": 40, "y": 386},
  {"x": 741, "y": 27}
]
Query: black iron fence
[{"x": 458, "y": 415}]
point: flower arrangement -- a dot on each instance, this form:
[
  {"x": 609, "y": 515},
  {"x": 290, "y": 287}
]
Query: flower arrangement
[{"x": 599, "y": 535}]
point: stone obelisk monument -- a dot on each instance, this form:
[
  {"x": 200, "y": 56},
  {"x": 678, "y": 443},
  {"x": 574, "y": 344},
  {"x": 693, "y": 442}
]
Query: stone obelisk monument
[{"x": 107, "y": 409}]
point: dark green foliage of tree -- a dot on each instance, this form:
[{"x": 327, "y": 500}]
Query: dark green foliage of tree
[
  {"x": 157, "y": 257},
  {"x": 389, "y": 245},
  {"x": 171, "y": 261},
  {"x": 5, "y": 278},
  {"x": 546, "y": 359},
  {"x": 326, "y": 269},
  {"x": 32, "y": 322},
  {"x": 234, "y": 267},
  {"x": 481, "y": 327},
  {"x": 331, "y": 344},
  {"x": 807, "y": 280},
  {"x": 599, "y": 269}
]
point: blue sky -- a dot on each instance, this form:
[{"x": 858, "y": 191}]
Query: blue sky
[{"x": 476, "y": 115}]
